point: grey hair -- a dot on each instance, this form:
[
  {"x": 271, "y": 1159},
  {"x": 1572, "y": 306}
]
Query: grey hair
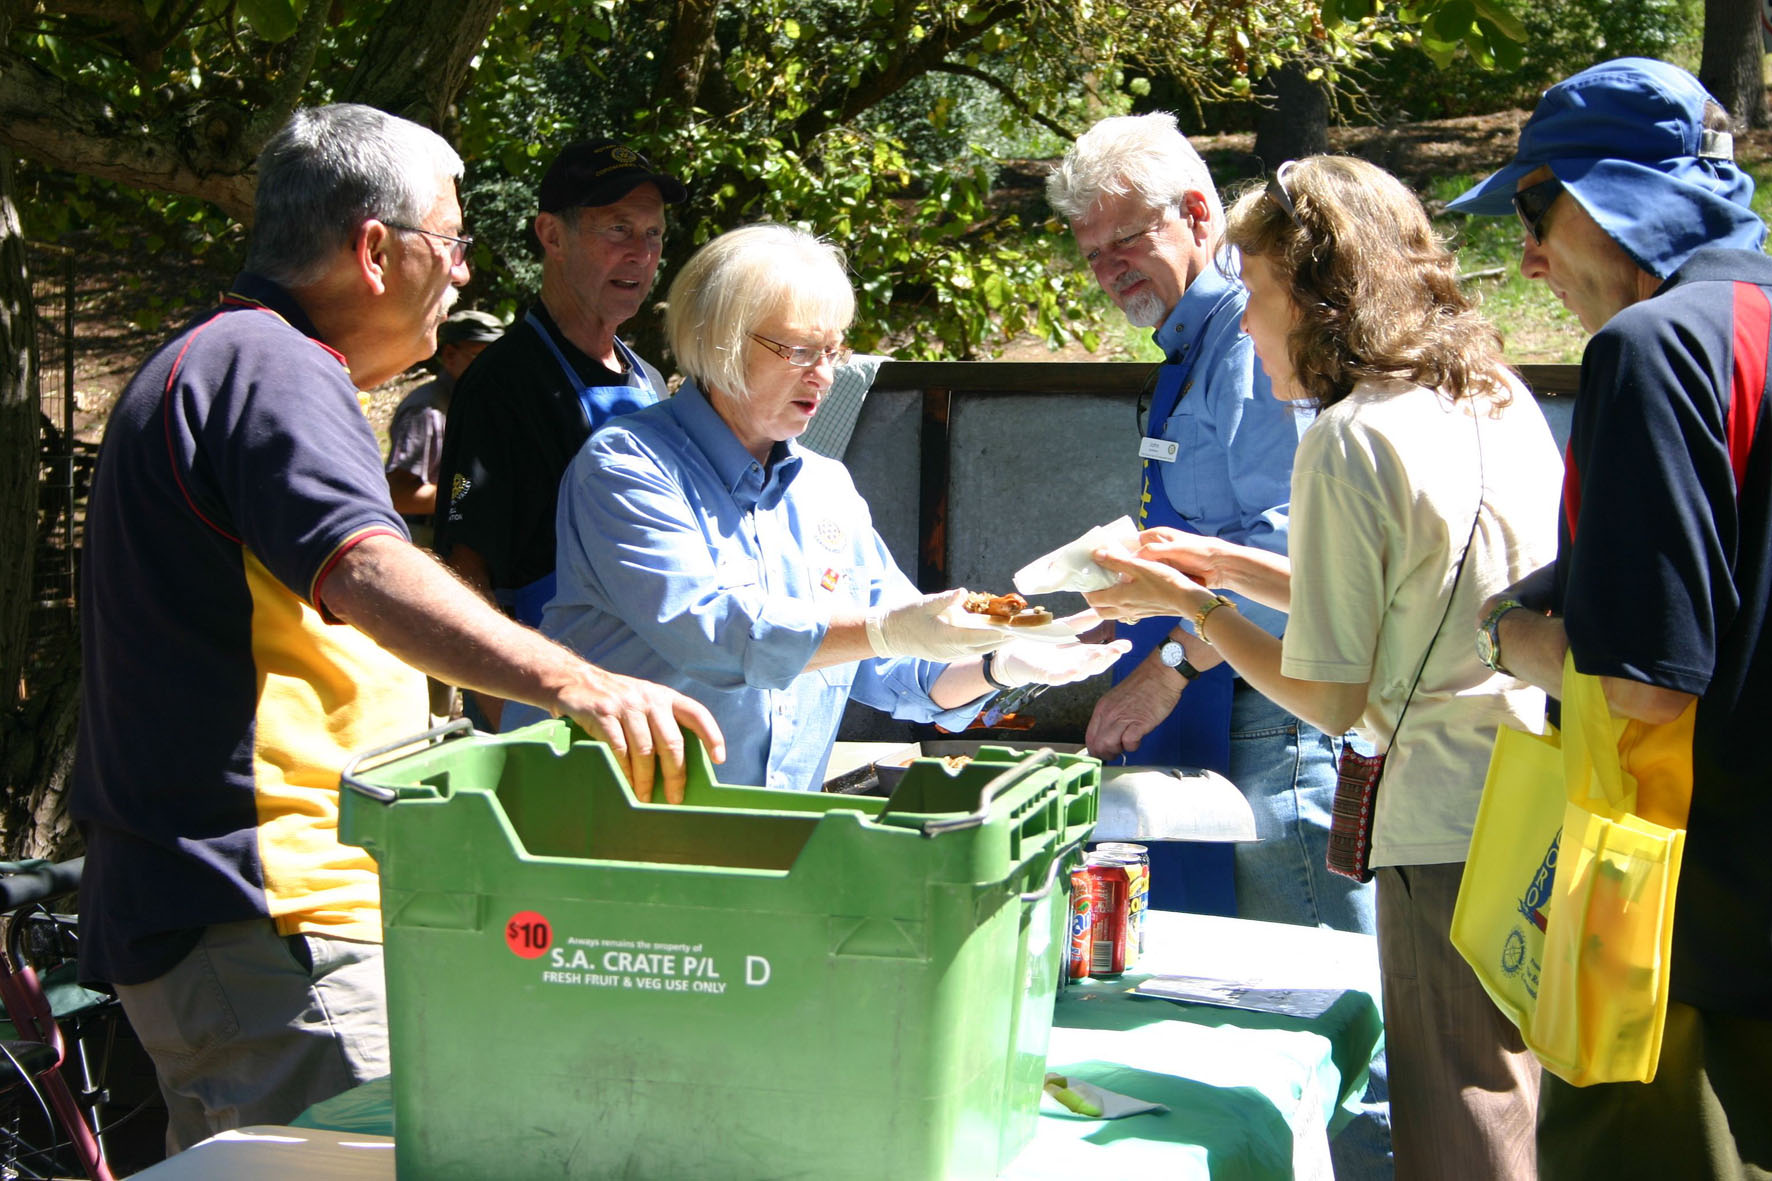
[
  {"x": 1145, "y": 156},
  {"x": 741, "y": 279},
  {"x": 328, "y": 170}
]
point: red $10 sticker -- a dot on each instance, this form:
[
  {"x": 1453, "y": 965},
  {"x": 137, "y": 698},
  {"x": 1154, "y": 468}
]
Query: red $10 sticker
[{"x": 529, "y": 934}]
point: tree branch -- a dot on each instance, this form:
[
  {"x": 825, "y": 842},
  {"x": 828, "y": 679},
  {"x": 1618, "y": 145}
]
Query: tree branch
[
  {"x": 75, "y": 130},
  {"x": 1003, "y": 88},
  {"x": 285, "y": 94},
  {"x": 900, "y": 71}
]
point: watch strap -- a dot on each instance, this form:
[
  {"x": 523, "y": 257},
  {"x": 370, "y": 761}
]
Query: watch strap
[
  {"x": 988, "y": 666},
  {"x": 1491, "y": 629}
]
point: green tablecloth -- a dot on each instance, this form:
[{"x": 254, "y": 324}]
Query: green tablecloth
[{"x": 1250, "y": 1094}]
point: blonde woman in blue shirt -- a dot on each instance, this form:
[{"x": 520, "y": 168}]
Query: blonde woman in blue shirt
[{"x": 699, "y": 542}]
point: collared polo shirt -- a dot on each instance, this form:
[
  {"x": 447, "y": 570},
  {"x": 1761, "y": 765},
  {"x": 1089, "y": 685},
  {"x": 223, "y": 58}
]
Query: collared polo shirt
[{"x": 219, "y": 700}]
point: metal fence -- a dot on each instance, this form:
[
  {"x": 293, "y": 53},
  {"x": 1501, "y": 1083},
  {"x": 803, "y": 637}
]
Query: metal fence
[{"x": 65, "y": 465}]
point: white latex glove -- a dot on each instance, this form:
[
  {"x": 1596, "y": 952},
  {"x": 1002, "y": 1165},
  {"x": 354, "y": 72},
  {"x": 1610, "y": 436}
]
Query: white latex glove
[
  {"x": 918, "y": 629},
  {"x": 1024, "y": 662}
]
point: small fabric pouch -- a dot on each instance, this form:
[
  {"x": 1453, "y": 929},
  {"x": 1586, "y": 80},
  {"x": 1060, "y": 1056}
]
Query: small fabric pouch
[{"x": 1350, "y": 821}]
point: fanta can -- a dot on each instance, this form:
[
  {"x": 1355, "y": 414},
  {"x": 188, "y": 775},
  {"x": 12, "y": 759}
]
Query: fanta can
[{"x": 1082, "y": 923}]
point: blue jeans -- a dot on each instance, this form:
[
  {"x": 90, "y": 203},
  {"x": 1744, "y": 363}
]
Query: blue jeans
[{"x": 1286, "y": 769}]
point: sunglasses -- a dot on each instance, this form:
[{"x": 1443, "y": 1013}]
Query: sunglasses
[
  {"x": 1533, "y": 202},
  {"x": 1279, "y": 195}
]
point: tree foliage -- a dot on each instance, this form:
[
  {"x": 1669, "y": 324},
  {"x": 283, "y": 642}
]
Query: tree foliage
[
  {"x": 819, "y": 112},
  {"x": 881, "y": 123}
]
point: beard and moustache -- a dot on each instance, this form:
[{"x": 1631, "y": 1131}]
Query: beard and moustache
[{"x": 1144, "y": 310}]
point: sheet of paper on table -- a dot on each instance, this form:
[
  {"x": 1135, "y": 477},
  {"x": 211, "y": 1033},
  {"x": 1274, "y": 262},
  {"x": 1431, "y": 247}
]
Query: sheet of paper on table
[
  {"x": 1171, "y": 804},
  {"x": 1234, "y": 994}
]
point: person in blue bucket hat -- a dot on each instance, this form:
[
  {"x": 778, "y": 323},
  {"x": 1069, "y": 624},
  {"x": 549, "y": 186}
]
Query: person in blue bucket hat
[
  {"x": 1636, "y": 215},
  {"x": 1630, "y": 142}
]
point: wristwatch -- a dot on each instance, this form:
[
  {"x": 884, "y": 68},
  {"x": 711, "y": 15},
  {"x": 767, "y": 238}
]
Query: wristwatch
[
  {"x": 1489, "y": 637},
  {"x": 1174, "y": 656}
]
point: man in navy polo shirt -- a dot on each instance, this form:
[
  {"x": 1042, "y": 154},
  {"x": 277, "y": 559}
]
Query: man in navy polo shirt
[
  {"x": 253, "y": 612},
  {"x": 1638, "y": 218}
]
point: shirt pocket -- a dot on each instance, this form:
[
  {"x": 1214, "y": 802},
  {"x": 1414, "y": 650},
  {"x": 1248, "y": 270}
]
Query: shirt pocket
[
  {"x": 838, "y": 678},
  {"x": 1182, "y": 486},
  {"x": 736, "y": 571}
]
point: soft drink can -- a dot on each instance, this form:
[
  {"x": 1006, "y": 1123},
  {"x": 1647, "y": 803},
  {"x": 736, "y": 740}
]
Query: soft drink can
[
  {"x": 1082, "y": 923},
  {"x": 1141, "y": 891},
  {"x": 1108, "y": 933}
]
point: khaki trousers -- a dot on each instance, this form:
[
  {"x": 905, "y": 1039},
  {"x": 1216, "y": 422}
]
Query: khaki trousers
[
  {"x": 253, "y": 1027},
  {"x": 1463, "y": 1086}
]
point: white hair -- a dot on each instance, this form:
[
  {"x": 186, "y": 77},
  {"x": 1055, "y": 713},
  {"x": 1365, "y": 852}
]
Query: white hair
[
  {"x": 1145, "y": 156},
  {"x": 738, "y": 281},
  {"x": 327, "y": 171}
]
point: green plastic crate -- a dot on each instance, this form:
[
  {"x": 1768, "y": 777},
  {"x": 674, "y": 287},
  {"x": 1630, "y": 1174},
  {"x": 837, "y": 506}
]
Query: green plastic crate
[{"x": 753, "y": 984}]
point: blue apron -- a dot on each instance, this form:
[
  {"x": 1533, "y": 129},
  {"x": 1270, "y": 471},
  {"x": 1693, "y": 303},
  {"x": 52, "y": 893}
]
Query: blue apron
[
  {"x": 1197, "y": 733},
  {"x": 600, "y": 403}
]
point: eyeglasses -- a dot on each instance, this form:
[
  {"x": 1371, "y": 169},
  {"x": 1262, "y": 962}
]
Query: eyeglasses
[
  {"x": 458, "y": 247},
  {"x": 622, "y": 235},
  {"x": 1278, "y": 194},
  {"x": 804, "y": 355},
  {"x": 1533, "y": 202},
  {"x": 1125, "y": 241}
]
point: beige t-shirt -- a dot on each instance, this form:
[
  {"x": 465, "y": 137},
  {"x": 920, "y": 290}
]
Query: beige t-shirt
[{"x": 1383, "y": 491}]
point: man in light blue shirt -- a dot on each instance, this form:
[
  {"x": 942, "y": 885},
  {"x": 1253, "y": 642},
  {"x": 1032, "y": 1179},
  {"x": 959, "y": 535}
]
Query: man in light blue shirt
[
  {"x": 1216, "y": 450},
  {"x": 697, "y": 539}
]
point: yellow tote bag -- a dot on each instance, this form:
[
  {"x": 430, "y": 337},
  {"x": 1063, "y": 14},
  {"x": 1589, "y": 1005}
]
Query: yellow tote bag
[
  {"x": 1589, "y": 988},
  {"x": 1504, "y": 898}
]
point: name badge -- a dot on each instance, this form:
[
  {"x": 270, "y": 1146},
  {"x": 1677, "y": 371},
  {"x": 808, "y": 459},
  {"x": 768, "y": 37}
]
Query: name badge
[{"x": 1159, "y": 449}]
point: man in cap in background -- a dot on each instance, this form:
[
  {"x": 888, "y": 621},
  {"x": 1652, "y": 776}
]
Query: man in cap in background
[
  {"x": 1638, "y": 218},
  {"x": 523, "y": 411},
  {"x": 415, "y": 433}
]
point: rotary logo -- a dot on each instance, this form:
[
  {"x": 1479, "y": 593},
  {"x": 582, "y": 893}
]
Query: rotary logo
[
  {"x": 626, "y": 155},
  {"x": 1513, "y": 951},
  {"x": 829, "y": 533}
]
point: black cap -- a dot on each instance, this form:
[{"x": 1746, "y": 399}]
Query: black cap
[{"x": 601, "y": 172}]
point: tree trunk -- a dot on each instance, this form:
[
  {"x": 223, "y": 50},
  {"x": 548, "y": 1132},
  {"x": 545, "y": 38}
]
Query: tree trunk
[
  {"x": 39, "y": 647},
  {"x": 418, "y": 56},
  {"x": 1293, "y": 120},
  {"x": 1733, "y": 65}
]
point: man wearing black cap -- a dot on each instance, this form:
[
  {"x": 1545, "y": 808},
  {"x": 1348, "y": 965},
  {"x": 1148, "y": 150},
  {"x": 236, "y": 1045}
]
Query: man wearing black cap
[
  {"x": 1638, "y": 218},
  {"x": 415, "y": 432},
  {"x": 522, "y": 412}
]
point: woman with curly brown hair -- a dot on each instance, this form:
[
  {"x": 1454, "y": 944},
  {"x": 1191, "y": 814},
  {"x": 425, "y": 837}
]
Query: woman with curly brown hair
[{"x": 1427, "y": 481}]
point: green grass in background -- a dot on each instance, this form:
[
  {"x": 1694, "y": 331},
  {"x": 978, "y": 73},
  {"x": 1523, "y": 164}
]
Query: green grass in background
[{"x": 1535, "y": 327}]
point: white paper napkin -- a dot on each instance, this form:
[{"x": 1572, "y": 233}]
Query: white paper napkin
[
  {"x": 1072, "y": 567},
  {"x": 1087, "y": 1099}
]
